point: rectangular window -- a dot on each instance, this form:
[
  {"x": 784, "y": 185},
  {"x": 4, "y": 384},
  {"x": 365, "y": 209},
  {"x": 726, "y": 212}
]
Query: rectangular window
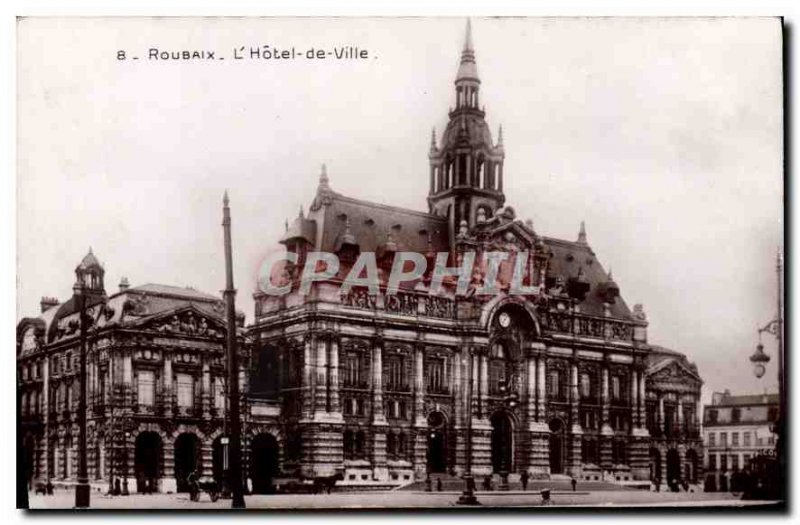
[
  {"x": 734, "y": 462},
  {"x": 735, "y": 439},
  {"x": 552, "y": 385},
  {"x": 352, "y": 370},
  {"x": 723, "y": 462},
  {"x": 146, "y": 387},
  {"x": 586, "y": 386},
  {"x": 746, "y": 438},
  {"x": 736, "y": 415},
  {"x": 723, "y": 439},
  {"x": 616, "y": 389},
  {"x": 397, "y": 380},
  {"x": 219, "y": 394},
  {"x": 712, "y": 462},
  {"x": 185, "y": 390},
  {"x": 746, "y": 460},
  {"x": 712, "y": 416},
  {"x": 436, "y": 375},
  {"x": 712, "y": 442}
]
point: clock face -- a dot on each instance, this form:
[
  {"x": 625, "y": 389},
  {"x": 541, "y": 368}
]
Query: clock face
[{"x": 504, "y": 320}]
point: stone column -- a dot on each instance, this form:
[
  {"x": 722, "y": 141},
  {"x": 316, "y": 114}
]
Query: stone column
[
  {"x": 166, "y": 382},
  {"x": 321, "y": 375},
  {"x": 642, "y": 400},
  {"x": 334, "y": 376},
  {"x": 680, "y": 416},
  {"x": 420, "y": 422},
  {"x": 574, "y": 399},
  {"x": 475, "y": 405},
  {"x": 379, "y": 418},
  {"x": 127, "y": 376},
  {"x": 206, "y": 392},
  {"x": 661, "y": 414},
  {"x": 530, "y": 390},
  {"x": 606, "y": 431},
  {"x": 634, "y": 399},
  {"x": 46, "y": 415},
  {"x": 541, "y": 386},
  {"x": 308, "y": 378},
  {"x": 484, "y": 385}
]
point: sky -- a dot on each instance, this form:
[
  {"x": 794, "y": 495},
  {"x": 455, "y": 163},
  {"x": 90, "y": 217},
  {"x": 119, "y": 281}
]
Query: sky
[{"x": 663, "y": 135}]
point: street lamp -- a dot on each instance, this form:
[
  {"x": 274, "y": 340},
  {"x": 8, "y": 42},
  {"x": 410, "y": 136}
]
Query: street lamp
[
  {"x": 82, "y": 489},
  {"x": 760, "y": 359}
]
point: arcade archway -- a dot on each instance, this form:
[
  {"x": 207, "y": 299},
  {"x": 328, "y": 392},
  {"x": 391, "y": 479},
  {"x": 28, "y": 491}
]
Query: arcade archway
[
  {"x": 673, "y": 466},
  {"x": 263, "y": 462},
  {"x": 187, "y": 459},
  {"x": 556, "y": 446},
  {"x": 146, "y": 462},
  {"x": 502, "y": 442},
  {"x": 437, "y": 443}
]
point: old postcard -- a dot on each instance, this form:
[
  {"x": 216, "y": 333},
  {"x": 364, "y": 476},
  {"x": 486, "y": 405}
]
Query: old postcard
[{"x": 367, "y": 263}]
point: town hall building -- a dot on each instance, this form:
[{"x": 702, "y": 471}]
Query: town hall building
[{"x": 384, "y": 388}]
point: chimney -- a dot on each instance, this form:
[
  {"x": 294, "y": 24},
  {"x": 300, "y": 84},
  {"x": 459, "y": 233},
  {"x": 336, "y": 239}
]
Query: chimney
[
  {"x": 47, "y": 303},
  {"x": 124, "y": 284}
]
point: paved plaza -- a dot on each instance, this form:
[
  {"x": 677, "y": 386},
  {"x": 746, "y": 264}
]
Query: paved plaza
[{"x": 64, "y": 499}]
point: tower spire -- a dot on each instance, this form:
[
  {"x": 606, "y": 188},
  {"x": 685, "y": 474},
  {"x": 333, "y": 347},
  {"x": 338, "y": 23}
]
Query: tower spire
[
  {"x": 582, "y": 233},
  {"x": 468, "y": 69}
]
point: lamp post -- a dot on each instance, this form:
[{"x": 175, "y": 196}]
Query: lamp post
[
  {"x": 760, "y": 359},
  {"x": 235, "y": 450},
  {"x": 468, "y": 496},
  {"x": 82, "y": 489}
]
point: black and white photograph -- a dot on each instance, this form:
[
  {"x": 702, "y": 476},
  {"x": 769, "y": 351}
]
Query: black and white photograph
[{"x": 342, "y": 263}]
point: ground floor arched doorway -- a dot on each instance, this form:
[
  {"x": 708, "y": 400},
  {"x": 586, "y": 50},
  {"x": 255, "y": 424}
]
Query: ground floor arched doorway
[
  {"x": 147, "y": 461},
  {"x": 692, "y": 464},
  {"x": 263, "y": 462},
  {"x": 187, "y": 459},
  {"x": 218, "y": 459},
  {"x": 437, "y": 443},
  {"x": 556, "y": 446},
  {"x": 655, "y": 465},
  {"x": 502, "y": 442},
  {"x": 673, "y": 466}
]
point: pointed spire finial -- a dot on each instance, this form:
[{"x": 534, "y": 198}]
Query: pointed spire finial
[
  {"x": 225, "y": 200},
  {"x": 301, "y": 214},
  {"x": 286, "y": 225},
  {"x": 433, "y": 138},
  {"x": 500, "y": 136},
  {"x": 468, "y": 70},
  {"x": 582, "y": 233},
  {"x": 468, "y": 37}
]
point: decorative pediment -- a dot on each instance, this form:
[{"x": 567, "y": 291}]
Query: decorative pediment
[
  {"x": 511, "y": 236},
  {"x": 186, "y": 321},
  {"x": 674, "y": 372}
]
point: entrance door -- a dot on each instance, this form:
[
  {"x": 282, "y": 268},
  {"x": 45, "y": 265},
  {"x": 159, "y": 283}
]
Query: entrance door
[
  {"x": 263, "y": 462},
  {"x": 187, "y": 459},
  {"x": 673, "y": 466},
  {"x": 502, "y": 442},
  {"x": 437, "y": 443},
  {"x": 655, "y": 465},
  {"x": 556, "y": 447},
  {"x": 147, "y": 456}
]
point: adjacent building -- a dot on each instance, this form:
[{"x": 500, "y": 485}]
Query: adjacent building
[{"x": 736, "y": 429}]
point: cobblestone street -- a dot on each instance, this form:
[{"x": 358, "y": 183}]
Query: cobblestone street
[{"x": 396, "y": 499}]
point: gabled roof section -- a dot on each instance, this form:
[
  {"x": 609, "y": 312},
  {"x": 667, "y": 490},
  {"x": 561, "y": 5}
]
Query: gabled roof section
[{"x": 567, "y": 258}]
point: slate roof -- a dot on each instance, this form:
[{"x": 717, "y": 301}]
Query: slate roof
[
  {"x": 568, "y": 257},
  {"x": 747, "y": 399},
  {"x": 372, "y": 223}
]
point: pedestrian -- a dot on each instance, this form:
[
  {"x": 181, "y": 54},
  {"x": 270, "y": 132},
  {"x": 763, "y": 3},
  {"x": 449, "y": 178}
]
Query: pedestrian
[
  {"x": 428, "y": 487},
  {"x": 658, "y": 484},
  {"x": 524, "y": 479},
  {"x": 438, "y": 484},
  {"x": 487, "y": 482},
  {"x": 574, "y": 483}
]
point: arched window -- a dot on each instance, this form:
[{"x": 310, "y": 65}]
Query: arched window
[
  {"x": 360, "y": 443},
  {"x": 479, "y": 173},
  {"x": 391, "y": 449}
]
